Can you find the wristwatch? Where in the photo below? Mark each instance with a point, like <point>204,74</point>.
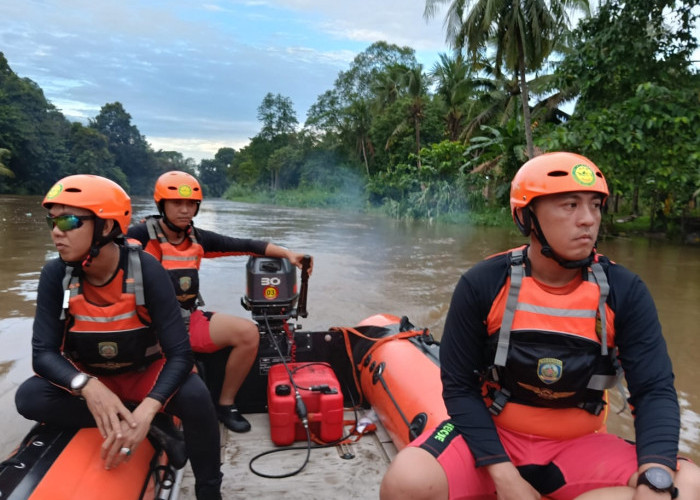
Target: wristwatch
<point>78,382</point>
<point>659,480</point>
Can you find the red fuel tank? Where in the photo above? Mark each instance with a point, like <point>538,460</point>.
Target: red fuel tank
<point>320,391</point>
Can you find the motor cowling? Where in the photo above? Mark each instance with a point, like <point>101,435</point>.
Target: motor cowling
<point>271,288</point>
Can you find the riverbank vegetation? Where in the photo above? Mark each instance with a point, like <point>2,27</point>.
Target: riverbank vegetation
<point>620,87</point>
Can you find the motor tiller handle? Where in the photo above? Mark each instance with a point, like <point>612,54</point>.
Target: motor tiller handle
<point>301,306</point>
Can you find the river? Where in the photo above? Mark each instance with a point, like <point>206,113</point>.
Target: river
<point>363,265</point>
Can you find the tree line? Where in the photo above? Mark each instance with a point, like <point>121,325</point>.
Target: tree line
<point>423,142</point>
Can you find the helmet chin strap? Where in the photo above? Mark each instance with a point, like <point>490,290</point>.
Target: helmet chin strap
<point>549,252</point>
<point>98,241</point>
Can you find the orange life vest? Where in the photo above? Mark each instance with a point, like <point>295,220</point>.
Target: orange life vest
<point>113,338</point>
<point>554,354</point>
<point>181,264</point>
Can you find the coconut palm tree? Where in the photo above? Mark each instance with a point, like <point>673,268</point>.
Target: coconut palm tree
<point>521,33</point>
<point>413,85</point>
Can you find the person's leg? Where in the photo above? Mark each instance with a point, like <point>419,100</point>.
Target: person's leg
<point>414,474</point>
<point>687,480</point>
<point>192,404</point>
<point>38,399</point>
<point>437,465</point>
<point>241,334</point>
<point>210,332</point>
<point>594,466</point>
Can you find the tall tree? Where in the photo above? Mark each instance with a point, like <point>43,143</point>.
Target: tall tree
<point>626,44</point>
<point>33,131</point>
<point>523,34</point>
<point>277,115</point>
<point>132,154</point>
<point>415,88</point>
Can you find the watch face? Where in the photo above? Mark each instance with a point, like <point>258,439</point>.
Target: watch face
<point>659,478</point>
<point>78,381</point>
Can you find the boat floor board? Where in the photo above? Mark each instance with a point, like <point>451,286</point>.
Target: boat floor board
<point>326,475</point>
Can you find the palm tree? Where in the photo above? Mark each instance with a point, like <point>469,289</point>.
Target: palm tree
<point>455,86</point>
<point>414,85</point>
<point>523,34</point>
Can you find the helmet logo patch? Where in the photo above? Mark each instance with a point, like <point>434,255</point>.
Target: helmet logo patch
<point>184,190</point>
<point>549,370</point>
<point>54,191</point>
<point>583,174</point>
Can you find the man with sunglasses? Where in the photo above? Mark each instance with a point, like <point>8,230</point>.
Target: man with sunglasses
<point>109,347</point>
<point>172,238</point>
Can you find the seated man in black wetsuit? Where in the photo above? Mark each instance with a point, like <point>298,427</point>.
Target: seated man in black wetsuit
<point>108,336</point>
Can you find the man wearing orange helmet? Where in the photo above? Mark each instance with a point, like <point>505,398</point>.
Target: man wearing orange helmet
<point>172,238</point>
<point>533,339</point>
<point>109,348</point>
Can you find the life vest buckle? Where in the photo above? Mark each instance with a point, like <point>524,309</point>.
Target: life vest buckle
<point>593,407</point>
<point>500,398</point>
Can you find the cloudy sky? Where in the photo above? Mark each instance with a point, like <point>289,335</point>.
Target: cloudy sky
<point>192,73</point>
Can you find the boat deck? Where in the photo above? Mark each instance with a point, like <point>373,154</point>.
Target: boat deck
<point>327,474</point>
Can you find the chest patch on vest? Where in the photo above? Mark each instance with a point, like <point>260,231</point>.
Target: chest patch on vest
<point>108,350</point>
<point>185,283</point>
<point>549,370</point>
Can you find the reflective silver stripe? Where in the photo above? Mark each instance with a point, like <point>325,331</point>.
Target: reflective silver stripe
<point>555,311</point>
<point>68,292</point>
<point>517,270</point>
<point>602,382</point>
<point>102,319</point>
<point>174,257</point>
<point>602,281</point>
<point>151,226</point>
<point>136,286</point>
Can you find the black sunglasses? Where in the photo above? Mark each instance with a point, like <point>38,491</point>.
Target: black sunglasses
<point>67,222</point>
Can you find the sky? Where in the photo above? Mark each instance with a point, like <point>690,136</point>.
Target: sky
<point>192,73</point>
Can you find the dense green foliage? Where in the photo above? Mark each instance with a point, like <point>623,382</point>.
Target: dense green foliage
<point>430,142</point>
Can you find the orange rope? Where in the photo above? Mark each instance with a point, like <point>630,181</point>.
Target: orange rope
<point>346,331</point>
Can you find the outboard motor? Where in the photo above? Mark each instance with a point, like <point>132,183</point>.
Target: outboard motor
<point>271,291</point>
<point>275,303</point>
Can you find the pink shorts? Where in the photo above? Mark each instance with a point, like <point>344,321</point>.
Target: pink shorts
<point>136,385</point>
<point>558,469</point>
<point>200,339</point>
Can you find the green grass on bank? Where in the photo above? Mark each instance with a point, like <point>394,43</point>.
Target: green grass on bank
<point>307,198</point>
<point>356,201</point>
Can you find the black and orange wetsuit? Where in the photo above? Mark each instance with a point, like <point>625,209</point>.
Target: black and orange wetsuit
<point>92,325</point>
<point>184,259</point>
<point>554,367</point>
<point>115,333</point>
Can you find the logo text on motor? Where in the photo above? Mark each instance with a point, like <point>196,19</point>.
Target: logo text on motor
<point>274,281</point>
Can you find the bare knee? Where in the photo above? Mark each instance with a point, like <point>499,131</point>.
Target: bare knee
<point>414,474</point>
<point>240,333</point>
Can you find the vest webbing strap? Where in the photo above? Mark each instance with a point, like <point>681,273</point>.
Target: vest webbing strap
<point>134,281</point>
<point>517,271</point>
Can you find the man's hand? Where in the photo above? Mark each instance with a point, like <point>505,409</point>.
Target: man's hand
<point>510,485</point>
<point>106,408</point>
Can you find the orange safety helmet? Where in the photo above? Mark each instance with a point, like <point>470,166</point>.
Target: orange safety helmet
<point>552,173</point>
<point>103,197</point>
<point>177,185</point>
